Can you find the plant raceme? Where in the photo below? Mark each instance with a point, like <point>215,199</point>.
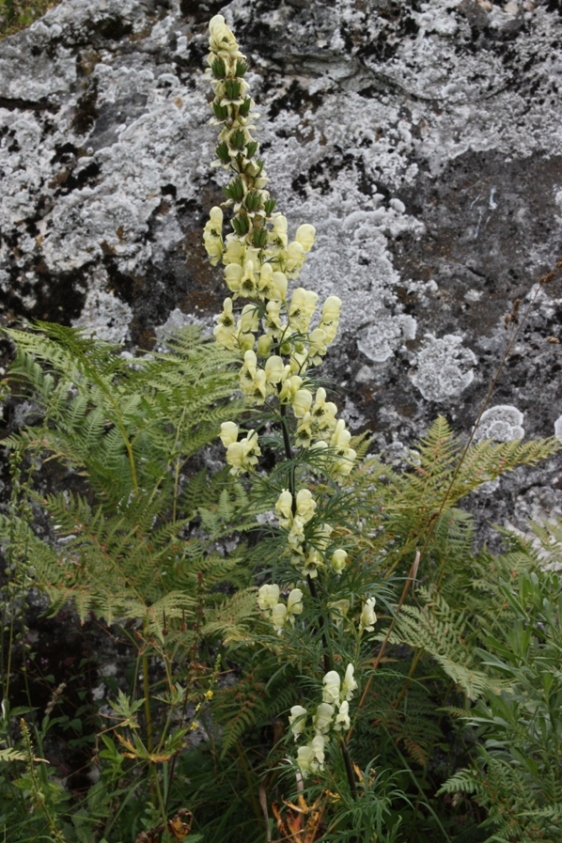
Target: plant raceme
<point>281,338</point>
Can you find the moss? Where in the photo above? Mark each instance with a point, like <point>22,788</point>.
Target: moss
<point>18,14</point>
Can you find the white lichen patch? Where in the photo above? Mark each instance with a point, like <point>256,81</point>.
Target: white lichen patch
<point>384,335</point>
<point>504,423</point>
<point>558,428</point>
<point>444,367</point>
<point>105,317</point>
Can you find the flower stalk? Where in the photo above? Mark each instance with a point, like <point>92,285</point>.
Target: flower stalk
<point>281,338</point>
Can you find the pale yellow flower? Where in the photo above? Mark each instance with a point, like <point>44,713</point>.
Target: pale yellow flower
<point>305,236</point>
<point>303,433</point>
<point>310,563</point>
<point>338,560</point>
<point>368,617</point>
<point>274,370</point>
<point>302,403</point>
<point>294,258</point>
<point>225,331</point>
<point>301,309</point>
<point>330,318</point>
<point>263,347</point>
<point>212,235</point>
<point>233,275</point>
<point>272,319</point>
<point>222,40</point>
<point>310,758</point>
<point>306,505</point>
<point>331,690</point>
<point>294,602</point>
<point>342,718</point>
<point>290,387</point>
<point>349,684</point>
<point>268,596</point>
<point>252,378</point>
<point>278,235</point>
<point>323,718</point>
<point>229,433</point>
<point>278,617</point>
<point>243,455</point>
<point>284,508</point>
<point>297,720</point>
<point>235,251</point>
<point>323,412</point>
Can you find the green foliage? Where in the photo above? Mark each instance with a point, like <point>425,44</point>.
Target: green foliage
<point>517,773</point>
<point>130,427</point>
<point>18,14</point>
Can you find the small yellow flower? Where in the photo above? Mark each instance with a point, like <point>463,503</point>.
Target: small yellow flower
<point>229,433</point>
<point>268,596</point>
<point>278,617</point>
<point>212,235</point>
<point>301,309</point>
<point>302,403</point>
<point>305,236</point>
<point>294,603</point>
<point>284,508</point>
<point>338,560</point>
<point>342,718</point>
<point>349,684</point>
<point>368,617</point>
<point>225,331</point>
<point>323,718</point>
<point>297,720</point>
<point>331,690</point>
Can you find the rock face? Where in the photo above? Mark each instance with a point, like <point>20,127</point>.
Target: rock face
<point>422,139</point>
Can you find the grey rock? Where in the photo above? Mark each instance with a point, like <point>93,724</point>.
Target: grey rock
<point>422,139</point>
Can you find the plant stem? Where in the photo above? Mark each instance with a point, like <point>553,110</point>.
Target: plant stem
<point>348,768</point>
<point>328,663</point>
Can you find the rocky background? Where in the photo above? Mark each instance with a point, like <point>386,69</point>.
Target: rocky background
<point>422,139</point>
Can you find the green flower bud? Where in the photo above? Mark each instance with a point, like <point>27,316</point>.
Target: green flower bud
<point>260,237</point>
<point>232,89</point>
<point>269,206</point>
<point>251,148</point>
<point>234,190</point>
<point>241,68</point>
<point>253,200</point>
<point>238,139</point>
<point>220,111</point>
<point>218,68</point>
<point>241,224</point>
<point>221,151</point>
<point>244,108</point>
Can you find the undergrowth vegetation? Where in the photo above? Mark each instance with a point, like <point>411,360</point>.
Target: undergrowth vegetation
<point>18,14</point>
<point>307,644</point>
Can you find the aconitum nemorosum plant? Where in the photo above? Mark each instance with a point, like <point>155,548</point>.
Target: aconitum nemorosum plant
<point>274,324</point>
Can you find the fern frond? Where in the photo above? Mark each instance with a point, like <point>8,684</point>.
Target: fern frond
<point>438,630</point>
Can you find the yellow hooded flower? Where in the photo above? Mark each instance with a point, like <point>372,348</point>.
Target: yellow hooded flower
<point>212,235</point>
<point>305,236</point>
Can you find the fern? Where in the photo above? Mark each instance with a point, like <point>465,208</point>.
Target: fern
<point>130,429</point>
<point>437,630</point>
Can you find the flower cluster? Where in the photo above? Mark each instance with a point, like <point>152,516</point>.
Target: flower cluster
<point>279,613</point>
<point>274,328</point>
<point>306,545</point>
<point>332,714</point>
<point>241,454</point>
<point>281,333</point>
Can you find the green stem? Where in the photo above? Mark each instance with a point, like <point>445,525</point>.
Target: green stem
<point>328,663</point>
<point>146,693</point>
<point>348,768</point>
